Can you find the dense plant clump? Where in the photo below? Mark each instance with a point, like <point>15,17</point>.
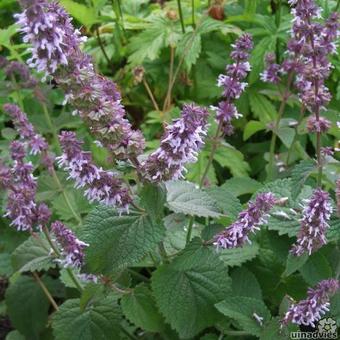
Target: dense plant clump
<point>140,199</point>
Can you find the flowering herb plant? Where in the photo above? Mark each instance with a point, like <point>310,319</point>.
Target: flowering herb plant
<point>212,216</point>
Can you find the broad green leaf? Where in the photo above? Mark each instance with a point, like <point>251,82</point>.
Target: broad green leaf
<point>317,268</point>
<point>243,309</point>
<point>83,14</point>
<point>7,33</point>
<point>5,265</point>
<point>239,186</point>
<point>244,283</point>
<point>300,174</point>
<point>27,306</point>
<point>272,330</point>
<point>33,255</point>
<point>139,307</point>
<point>252,127</point>
<point>237,256</point>
<point>15,335</point>
<point>190,46</point>
<point>286,135</point>
<point>117,241</point>
<point>187,289</point>
<point>227,202</point>
<point>185,197</point>
<point>262,107</point>
<point>98,321</point>
<point>294,263</point>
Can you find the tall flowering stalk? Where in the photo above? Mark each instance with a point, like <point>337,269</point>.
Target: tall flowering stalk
<point>314,224</point>
<point>233,85</point>
<point>307,312</point>
<point>100,185</point>
<point>56,52</point>
<point>248,221</point>
<point>179,145</point>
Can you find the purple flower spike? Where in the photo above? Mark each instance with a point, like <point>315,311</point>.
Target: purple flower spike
<point>271,73</point>
<point>71,248</point>
<point>307,312</point>
<point>179,145</point>
<point>314,224</point>
<point>232,84</point>
<point>248,221</point>
<point>100,185</point>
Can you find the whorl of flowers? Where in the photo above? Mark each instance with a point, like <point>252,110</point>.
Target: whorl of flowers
<point>71,248</point>
<point>271,74</point>
<point>35,142</point>
<point>248,221</point>
<point>307,312</point>
<point>22,209</point>
<point>56,51</point>
<point>314,42</point>
<point>179,145</point>
<point>314,224</point>
<point>232,84</point>
<point>100,185</point>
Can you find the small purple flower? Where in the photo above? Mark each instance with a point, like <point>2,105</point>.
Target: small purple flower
<point>318,125</point>
<point>36,142</point>
<point>232,84</point>
<point>248,221</point>
<point>100,185</point>
<point>71,248</point>
<point>307,312</point>
<point>314,224</point>
<point>21,73</point>
<point>179,145</point>
<point>271,73</point>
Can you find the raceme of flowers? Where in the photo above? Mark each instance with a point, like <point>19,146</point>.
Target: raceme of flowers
<point>72,249</point>
<point>100,185</point>
<point>56,51</point>
<point>232,84</point>
<point>307,312</point>
<point>314,224</point>
<point>248,221</point>
<point>179,145</point>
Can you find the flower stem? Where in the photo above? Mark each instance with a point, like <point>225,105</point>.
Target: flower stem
<point>57,252</point>
<point>189,232</point>
<point>148,90</point>
<point>181,15</point>
<point>51,127</point>
<point>283,104</point>
<point>46,291</point>
<point>162,252</point>
<point>193,13</point>
<point>167,101</point>
<point>101,45</point>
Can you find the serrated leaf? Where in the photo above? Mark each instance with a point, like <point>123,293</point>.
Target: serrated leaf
<point>5,265</point>
<point>190,46</point>
<point>117,241</point>
<point>99,321</point>
<point>244,283</point>
<point>27,306</point>
<point>139,307</point>
<point>294,263</point>
<point>242,309</point>
<point>198,287</point>
<point>237,256</point>
<point>272,330</point>
<point>33,255</point>
<point>286,135</point>
<point>185,197</point>
<point>317,268</point>
<point>262,107</point>
<point>226,201</point>
<point>239,186</point>
<point>252,127</point>
<point>300,174</point>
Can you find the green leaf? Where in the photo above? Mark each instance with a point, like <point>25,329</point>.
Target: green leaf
<point>83,14</point>
<point>252,127</point>
<point>294,263</point>
<point>185,197</point>
<point>227,202</point>
<point>32,255</point>
<point>272,330</point>
<point>242,309</point>
<point>190,46</point>
<point>197,288</point>
<point>300,173</point>
<point>139,307</point>
<point>5,265</point>
<point>237,256</point>
<point>27,306</point>
<point>118,240</point>
<point>99,321</point>
<point>317,268</point>
<point>287,135</point>
<point>244,283</point>
<point>239,186</point>
<point>262,107</point>
<point>153,199</point>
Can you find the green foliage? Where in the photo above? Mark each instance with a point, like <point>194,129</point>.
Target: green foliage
<point>197,289</point>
